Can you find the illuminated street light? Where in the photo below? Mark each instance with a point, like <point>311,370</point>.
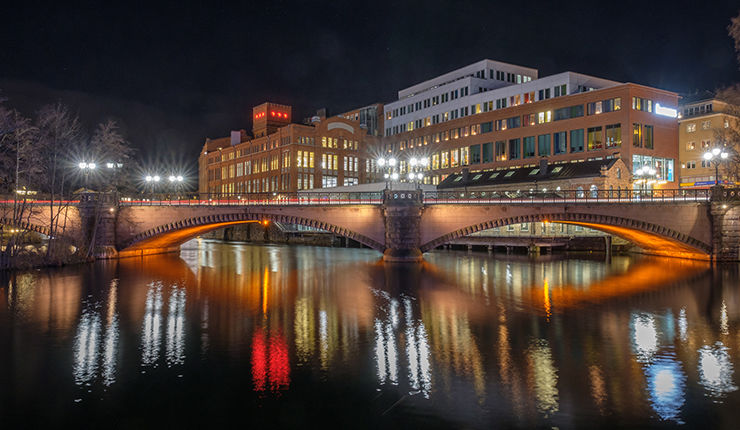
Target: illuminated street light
<point>86,168</point>
<point>394,176</point>
<point>716,156</point>
<point>645,175</point>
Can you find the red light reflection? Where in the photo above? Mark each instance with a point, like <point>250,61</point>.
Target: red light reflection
<point>270,361</point>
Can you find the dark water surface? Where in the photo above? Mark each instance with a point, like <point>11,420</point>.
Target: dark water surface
<point>252,336</point>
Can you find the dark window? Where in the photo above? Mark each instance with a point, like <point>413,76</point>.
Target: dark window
<point>543,145</point>
<point>486,127</point>
<point>475,154</point>
<point>487,150</point>
<point>560,144</point>
<point>514,149</point>
<point>576,140</point>
<point>529,146</point>
<point>648,136</point>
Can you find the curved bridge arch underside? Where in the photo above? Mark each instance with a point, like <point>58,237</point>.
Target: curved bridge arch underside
<point>178,232</point>
<point>653,238</point>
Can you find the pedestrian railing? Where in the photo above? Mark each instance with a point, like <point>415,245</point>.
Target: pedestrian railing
<point>566,196</point>
<point>427,197</point>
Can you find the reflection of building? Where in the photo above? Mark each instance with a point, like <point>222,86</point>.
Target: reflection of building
<point>490,115</point>
<point>286,157</point>
<point>701,123</point>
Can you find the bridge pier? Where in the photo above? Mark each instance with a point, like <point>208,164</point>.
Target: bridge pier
<point>402,217</point>
<point>98,216</point>
<point>725,216</point>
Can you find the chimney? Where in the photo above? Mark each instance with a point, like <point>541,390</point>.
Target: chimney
<point>603,170</point>
<point>543,168</point>
<point>236,138</point>
<point>465,175</point>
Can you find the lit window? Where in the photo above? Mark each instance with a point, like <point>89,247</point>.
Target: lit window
<point>509,173</point>
<point>534,172</point>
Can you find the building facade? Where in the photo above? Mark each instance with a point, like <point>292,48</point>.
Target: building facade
<point>700,128</point>
<point>281,156</point>
<point>492,115</point>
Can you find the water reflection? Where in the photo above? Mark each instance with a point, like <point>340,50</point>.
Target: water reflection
<point>666,387</point>
<point>716,370</point>
<point>96,340</point>
<point>470,340</point>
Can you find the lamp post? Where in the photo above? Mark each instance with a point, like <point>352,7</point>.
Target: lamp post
<point>716,156</point>
<point>644,173</point>
<point>151,180</point>
<point>176,182</point>
<point>86,168</point>
<point>389,166</point>
<point>415,167</point>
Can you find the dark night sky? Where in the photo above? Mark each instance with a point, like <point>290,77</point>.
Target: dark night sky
<point>177,72</point>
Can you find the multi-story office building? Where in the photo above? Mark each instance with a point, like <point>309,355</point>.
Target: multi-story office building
<point>701,124</point>
<point>491,115</point>
<point>286,157</point>
<point>370,118</point>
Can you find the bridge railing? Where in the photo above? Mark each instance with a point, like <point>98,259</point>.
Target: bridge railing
<point>567,196</point>
<point>256,199</point>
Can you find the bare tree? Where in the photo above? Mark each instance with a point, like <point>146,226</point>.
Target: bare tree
<point>734,31</point>
<point>108,146</point>
<point>19,168</point>
<point>59,140</point>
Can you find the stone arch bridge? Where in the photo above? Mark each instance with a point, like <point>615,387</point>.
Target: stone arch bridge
<point>700,224</point>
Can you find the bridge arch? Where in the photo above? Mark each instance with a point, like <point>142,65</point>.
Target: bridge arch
<point>653,238</point>
<point>178,232</point>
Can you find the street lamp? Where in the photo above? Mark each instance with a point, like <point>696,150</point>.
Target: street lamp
<point>388,164</point>
<point>644,174</point>
<point>716,156</point>
<point>175,181</point>
<point>86,168</point>
<point>151,180</point>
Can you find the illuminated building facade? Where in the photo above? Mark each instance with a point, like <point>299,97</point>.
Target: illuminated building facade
<point>491,115</point>
<point>287,157</point>
<point>701,126</point>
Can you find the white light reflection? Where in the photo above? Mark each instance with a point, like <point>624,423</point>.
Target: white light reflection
<point>666,388</point>
<point>716,370</point>
<point>110,344</point>
<point>86,347</point>
<point>683,325</point>
<point>417,354</point>
<point>724,325</point>
<point>644,336</point>
<point>151,330</point>
<point>380,351</point>
<point>93,346</point>
<point>175,344</point>
<point>545,377</point>
<point>324,339</point>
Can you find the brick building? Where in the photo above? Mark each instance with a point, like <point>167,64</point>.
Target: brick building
<point>700,128</point>
<point>281,156</point>
<point>491,115</point>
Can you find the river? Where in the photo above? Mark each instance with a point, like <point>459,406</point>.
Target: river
<point>229,334</point>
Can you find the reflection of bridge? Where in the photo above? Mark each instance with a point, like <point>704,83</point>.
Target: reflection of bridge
<point>403,224</point>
